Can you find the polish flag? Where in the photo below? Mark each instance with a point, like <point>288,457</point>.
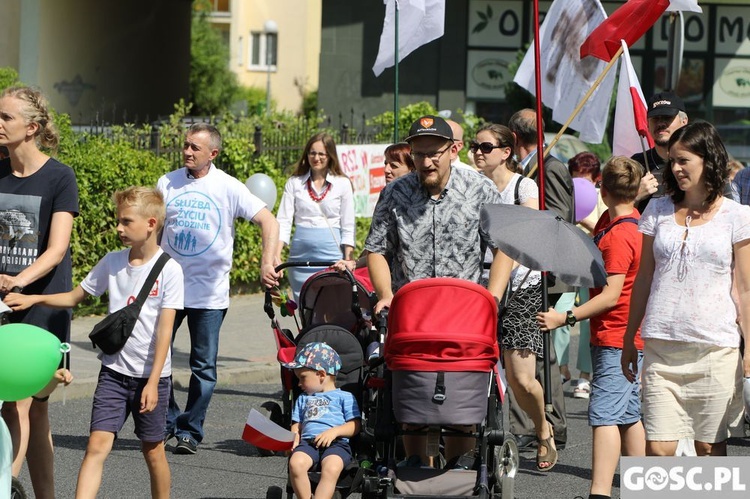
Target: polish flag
<point>265,434</point>
<point>629,22</point>
<point>631,123</point>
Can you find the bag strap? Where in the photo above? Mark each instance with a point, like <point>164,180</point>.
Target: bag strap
<point>151,279</point>
<point>516,199</point>
<point>603,233</point>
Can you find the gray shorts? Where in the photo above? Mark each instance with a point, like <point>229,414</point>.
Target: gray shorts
<point>118,395</point>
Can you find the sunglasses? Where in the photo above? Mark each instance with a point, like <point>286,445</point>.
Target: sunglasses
<point>485,147</point>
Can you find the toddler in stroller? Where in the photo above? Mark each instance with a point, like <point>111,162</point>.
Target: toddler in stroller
<point>442,353</point>
<point>335,309</point>
<point>323,419</point>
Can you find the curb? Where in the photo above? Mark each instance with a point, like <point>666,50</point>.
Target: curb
<point>84,388</point>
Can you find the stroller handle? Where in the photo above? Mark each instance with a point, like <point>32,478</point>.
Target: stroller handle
<point>286,265</point>
<point>268,307</point>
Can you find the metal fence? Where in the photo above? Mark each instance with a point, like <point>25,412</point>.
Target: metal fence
<point>283,141</point>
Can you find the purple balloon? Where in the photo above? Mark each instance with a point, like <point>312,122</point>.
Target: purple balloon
<point>586,198</point>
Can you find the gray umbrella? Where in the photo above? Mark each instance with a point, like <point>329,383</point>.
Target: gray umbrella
<point>541,240</point>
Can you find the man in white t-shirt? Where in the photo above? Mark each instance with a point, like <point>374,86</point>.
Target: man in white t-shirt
<point>202,204</point>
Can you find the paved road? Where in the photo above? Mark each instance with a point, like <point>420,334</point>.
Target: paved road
<point>227,467</point>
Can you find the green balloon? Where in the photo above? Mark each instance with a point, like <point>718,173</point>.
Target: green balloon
<point>29,357</point>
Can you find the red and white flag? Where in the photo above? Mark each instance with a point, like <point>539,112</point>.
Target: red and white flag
<point>631,123</point>
<point>265,434</point>
<point>420,22</point>
<point>629,22</point>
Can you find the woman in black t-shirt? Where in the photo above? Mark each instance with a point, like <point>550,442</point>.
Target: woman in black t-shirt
<point>38,201</point>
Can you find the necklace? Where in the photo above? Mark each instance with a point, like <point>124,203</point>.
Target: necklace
<point>315,197</point>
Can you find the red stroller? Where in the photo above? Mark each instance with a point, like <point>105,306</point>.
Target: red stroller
<point>441,352</point>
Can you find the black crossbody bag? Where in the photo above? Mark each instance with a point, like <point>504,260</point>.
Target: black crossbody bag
<point>111,334</point>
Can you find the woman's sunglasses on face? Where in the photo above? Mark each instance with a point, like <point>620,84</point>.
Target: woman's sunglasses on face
<point>485,147</point>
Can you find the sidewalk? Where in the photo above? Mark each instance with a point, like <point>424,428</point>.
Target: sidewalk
<point>247,350</point>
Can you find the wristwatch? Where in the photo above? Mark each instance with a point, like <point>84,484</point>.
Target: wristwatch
<point>570,319</point>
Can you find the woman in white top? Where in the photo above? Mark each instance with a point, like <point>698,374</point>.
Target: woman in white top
<point>696,249</point>
<point>521,338</point>
<point>319,200</point>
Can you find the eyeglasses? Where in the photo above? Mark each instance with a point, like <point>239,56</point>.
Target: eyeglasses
<point>485,147</point>
<point>321,155</point>
<point>434,156</point>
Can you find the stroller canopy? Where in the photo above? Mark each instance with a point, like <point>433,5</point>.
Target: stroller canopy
<point>442,324</point>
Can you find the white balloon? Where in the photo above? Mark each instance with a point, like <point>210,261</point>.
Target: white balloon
<point>262,186</point>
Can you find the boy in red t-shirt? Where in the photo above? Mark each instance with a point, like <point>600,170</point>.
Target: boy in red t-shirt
<point>614,407</point>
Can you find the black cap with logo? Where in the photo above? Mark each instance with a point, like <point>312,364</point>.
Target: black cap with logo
<point>432,126</point>
<point>665,104</point>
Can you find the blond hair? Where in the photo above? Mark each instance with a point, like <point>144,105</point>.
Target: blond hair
<point>36,110</point>
<point>621,178</point>
<point>147,201</point>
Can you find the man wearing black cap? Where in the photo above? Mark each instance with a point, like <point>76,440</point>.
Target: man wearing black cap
<point>427,225</point>
<point>666,113</point>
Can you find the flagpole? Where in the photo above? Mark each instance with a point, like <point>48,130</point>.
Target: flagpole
<point>577,110</point>
<point>547,375</point>
<point>395,89</point>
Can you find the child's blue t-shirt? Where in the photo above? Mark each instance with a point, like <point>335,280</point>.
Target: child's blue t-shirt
<point>321,411</point>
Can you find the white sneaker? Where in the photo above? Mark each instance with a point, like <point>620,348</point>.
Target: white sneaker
<point>582,389</point>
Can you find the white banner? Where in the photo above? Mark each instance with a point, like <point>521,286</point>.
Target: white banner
<point>419,22</point>
<point>364,164</point>
<point>565,77</point>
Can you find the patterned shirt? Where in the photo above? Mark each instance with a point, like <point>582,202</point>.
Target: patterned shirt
<point>741,186</point>
<point>429,237</point>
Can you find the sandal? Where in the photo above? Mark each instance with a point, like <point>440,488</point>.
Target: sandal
<point>550,456</point>
<point>582,389</point>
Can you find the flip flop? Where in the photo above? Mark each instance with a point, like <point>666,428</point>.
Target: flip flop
<point>550,456</point>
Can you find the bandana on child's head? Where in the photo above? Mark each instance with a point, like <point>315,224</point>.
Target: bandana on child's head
<point>317,356</point>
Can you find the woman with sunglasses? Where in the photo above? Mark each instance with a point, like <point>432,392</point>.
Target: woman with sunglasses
<point>521,338</point>
<point>318,199</point>
<point>696,253</point>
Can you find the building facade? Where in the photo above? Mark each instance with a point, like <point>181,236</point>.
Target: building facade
<point>273,41</point>
<point>468,68</point>
<point>113,61</point>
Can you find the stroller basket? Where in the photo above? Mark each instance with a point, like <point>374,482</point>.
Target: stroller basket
<point>442,351</point>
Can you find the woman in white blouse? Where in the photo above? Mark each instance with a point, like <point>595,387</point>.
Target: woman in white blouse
<point>319,200</point>
<point>696,248</point>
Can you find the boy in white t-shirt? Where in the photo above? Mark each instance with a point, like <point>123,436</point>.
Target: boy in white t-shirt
<point>139,374</point>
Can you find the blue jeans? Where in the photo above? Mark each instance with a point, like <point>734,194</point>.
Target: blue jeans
<point>204,326</point>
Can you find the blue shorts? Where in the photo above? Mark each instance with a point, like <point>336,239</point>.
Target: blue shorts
<point>338,447</point>
<point>118,395</point>
<point>614,400</point>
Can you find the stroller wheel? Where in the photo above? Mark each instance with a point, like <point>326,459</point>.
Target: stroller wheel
<point>272,411</point>
<point>274,492</point>
<point>16,489</point>
<point>506,466</point>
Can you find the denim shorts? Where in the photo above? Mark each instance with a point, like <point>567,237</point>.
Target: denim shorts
<point>338,447</point>
<point>614,400</point>
<point>118,395</point>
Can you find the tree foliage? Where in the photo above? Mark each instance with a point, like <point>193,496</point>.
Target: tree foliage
<point>213,86</point>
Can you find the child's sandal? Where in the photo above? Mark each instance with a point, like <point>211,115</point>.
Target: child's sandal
<point>550,456</point>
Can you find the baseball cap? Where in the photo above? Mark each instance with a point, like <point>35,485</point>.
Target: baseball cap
<point>432,126</point>
<point>665,104</point>
<point>318,356</point>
